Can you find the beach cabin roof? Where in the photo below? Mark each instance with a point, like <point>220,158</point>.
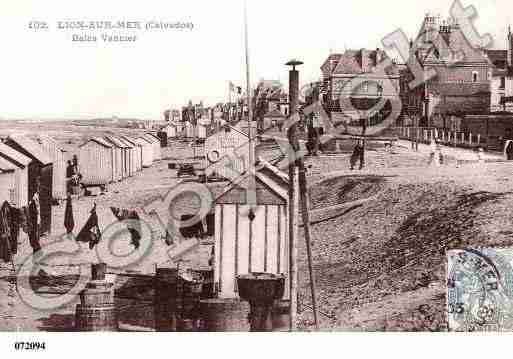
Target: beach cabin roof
<point>29,148</point>
<point>157,139</point>
<point>144,139</point>
<point>150,138</point>
<point>271,187</point>
<point>116,141</point>
<point>6,166</point>
<point>99,141</point>
<point>14,156</point>
<point>130,140</point>
<point>43,138</point>
<point>126,143</point>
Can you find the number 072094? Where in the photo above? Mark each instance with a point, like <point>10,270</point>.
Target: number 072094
<point>29,345</point>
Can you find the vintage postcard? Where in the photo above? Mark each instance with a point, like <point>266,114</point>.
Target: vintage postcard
<point>255,166</point>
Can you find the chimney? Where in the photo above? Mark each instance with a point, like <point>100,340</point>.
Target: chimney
<point>445,33</point>
<point>365,62</point>
<point>510,48</point>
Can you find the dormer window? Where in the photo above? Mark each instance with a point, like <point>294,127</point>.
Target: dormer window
<point>475,76</point>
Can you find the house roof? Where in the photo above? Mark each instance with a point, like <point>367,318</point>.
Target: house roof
<point>31,148</point>
<point>499,59</point>
<point>354,62</point>
<point>14,156</point>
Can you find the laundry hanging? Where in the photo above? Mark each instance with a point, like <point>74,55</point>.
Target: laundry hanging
<point>90,233</point>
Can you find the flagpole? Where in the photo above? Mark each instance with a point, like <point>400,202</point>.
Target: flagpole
<point>230,85</point>
<point>251,195</point>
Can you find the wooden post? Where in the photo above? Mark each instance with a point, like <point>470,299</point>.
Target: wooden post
<point>303,190</point>
<point>293,195</point>
<point>478,139</point>
<point>470,138</point>
<point>463,138</point>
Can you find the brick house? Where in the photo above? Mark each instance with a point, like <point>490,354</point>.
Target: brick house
<point>355,76</point>
<point>501,86</point>
<point>462,74</point>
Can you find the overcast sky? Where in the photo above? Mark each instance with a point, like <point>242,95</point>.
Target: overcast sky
<point>46,75</point>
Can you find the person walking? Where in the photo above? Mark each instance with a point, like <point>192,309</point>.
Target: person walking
<point>357,155</point>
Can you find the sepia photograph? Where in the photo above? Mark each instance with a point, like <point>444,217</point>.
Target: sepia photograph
<point>342,167</point>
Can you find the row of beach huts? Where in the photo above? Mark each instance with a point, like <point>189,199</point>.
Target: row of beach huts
<point>112,158</point>
<point>186,130</point>
<point>27,163</point>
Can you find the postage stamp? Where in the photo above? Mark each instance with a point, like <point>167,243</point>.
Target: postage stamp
<point>480,289</point>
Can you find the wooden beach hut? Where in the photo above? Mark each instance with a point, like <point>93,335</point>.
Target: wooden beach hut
<point>131,155</point>
<point>226,150</point>
<point>40,169</point>
<point>189,130</point>
<point>58,156</point>
<point>138,148</point>
<point>96,157</point>
<point>7,181</point>
<point>156,146</point>
<point>249,240</point>
<point>22,163</point>
<point>180,127</point>
<point>118,159</point>
<point>147,151</point>
<point>170,130</point>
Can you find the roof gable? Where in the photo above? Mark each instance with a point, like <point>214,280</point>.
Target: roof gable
<point>271,187</point>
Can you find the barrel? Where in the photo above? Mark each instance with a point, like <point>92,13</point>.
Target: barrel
<point>96,296</point>
<point>165,310</point>
<point>281,316</point>
<point>224,315</point>
<point>96,318</point>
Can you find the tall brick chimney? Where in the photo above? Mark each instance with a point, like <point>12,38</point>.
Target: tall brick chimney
<point>510,48</point>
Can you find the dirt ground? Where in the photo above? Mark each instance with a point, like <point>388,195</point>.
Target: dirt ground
<point>379,237</point>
